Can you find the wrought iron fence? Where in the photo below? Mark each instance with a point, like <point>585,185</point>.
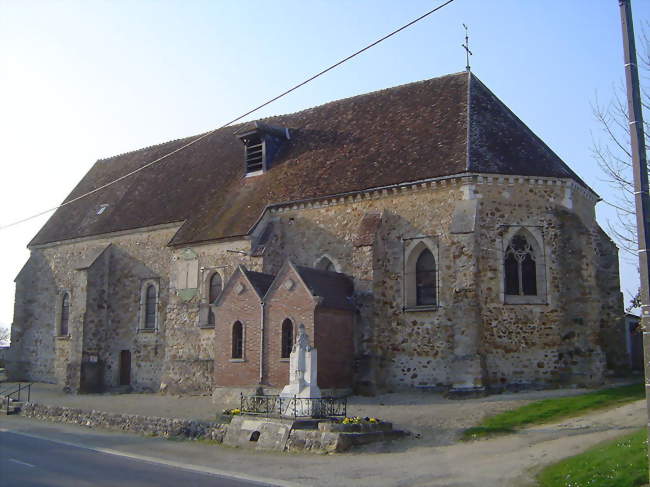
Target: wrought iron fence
<point>294,407</point>
<point>260,405</point>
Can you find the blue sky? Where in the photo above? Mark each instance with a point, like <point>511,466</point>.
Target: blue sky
<point>81,80</point>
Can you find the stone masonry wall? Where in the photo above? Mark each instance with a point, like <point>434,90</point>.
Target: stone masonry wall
<point>560,339</point>
<point>147,425</point>
<point>104,308</point>
<point>33,332</point>
<point>471,330</point>
<point>471,338</point>
<point>190,339</point>
<point>403,348</point>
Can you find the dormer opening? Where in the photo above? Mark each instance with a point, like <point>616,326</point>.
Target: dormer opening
<point>261,144</point>
<point>254,147</point>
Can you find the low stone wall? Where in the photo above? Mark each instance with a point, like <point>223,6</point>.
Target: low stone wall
<point>243,431</point>
<point>147,425</point>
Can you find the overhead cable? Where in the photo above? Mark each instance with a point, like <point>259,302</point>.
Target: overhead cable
<point>207,134</point>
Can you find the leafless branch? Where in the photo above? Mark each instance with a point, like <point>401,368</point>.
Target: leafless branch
<point>612,153</point>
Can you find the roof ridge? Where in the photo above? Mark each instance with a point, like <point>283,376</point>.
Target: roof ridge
<point>280,115</point>
<point>362,95</point>
<point>141,149</point>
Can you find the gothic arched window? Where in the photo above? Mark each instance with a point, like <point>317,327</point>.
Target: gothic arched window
<point>237,340</point>
<point>520,269</point>
<point>287,338</point>
<point>151,300</point>
<point>325,264</point>
<point>215,288</point>
<point>65,315</point>
<point>425,279</point>
<point>420,285</point>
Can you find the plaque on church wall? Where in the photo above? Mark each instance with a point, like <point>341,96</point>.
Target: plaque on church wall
<point>186,270</point>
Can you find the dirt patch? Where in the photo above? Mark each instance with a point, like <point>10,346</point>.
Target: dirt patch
<point>438,421</point>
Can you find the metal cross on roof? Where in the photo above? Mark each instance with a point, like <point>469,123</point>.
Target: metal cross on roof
<point>468,53</point>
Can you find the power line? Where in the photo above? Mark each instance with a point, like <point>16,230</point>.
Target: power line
<point>207,134</point>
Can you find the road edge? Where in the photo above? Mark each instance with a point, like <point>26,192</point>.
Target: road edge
<point>160,461</point>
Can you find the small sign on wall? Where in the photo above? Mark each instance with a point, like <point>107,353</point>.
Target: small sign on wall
<point>186,270</point>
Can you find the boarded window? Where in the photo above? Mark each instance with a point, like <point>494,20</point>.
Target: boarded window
<point>287,338</point>
<point>151,300</point>
<point>237,340</point>
<point>425,279</point>
<point>215,287</point>
<point>254,153</point>
<point>65,315</point>
<point>520,270</point>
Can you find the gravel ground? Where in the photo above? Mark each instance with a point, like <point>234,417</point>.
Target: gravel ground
<point>433,419</point>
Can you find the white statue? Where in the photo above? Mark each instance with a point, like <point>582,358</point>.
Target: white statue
<point>302,378</point>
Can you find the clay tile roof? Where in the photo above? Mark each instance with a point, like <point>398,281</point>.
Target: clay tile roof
<point>260,281</point>
<point>500,143</point>
<point>334,288</point>
<point>406,133</point>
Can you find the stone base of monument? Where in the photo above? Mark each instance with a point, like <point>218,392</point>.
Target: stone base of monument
<point>337,438</point>
<point>311,435</point>
<point>258,433</point>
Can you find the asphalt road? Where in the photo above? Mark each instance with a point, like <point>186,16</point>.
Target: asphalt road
<point>31,462</point>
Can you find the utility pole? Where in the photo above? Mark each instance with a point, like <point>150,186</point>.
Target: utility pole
<point>640,169</point>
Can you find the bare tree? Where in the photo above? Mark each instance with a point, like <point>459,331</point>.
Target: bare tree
<point>5,336</point>
<point>613,153</point>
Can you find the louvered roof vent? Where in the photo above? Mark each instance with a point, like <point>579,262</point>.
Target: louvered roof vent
<point>262,143</point>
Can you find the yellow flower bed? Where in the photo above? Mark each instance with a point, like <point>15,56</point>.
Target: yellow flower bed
<point>359,420</point>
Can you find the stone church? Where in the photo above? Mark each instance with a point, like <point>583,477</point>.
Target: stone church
<point>422,234</point>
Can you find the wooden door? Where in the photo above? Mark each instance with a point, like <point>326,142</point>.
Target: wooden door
<point>125,368</point>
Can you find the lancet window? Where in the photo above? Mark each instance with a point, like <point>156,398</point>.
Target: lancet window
<point>520,267</point>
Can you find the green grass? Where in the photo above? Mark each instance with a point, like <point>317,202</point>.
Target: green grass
<point>553,409</point>
<point>618,463</point>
